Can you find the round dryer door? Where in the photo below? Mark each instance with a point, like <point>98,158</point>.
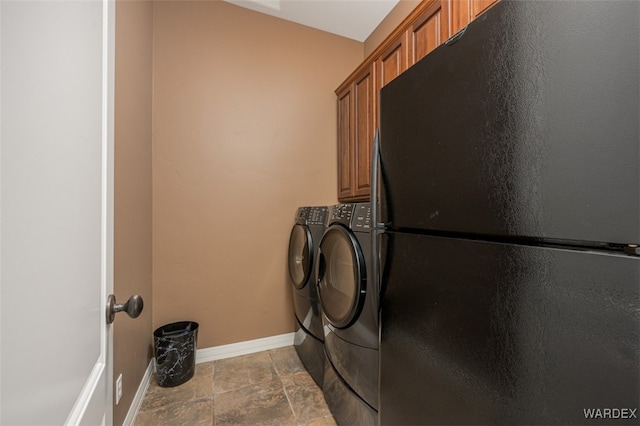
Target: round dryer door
<point>341,275</point>
<point>300,255</point>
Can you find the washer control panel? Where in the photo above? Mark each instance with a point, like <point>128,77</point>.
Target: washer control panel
<point>317,216</point>
<point>302,215</point>
<point>361,217</point>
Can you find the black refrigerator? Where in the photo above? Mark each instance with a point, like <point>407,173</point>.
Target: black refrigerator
<point>508,219</point>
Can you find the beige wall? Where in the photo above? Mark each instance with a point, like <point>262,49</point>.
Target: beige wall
<point>132,259</point>
<point>244,132</point>
<point>388,24</point>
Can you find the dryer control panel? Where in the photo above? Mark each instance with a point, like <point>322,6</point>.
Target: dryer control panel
<point>317,216</point>
<point>341,213</point>
<point>361,218</point>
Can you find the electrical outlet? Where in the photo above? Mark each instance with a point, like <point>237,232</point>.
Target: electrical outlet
<point>118,389</point>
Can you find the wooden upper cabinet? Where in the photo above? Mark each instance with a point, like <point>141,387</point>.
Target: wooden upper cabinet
<point>392,62</point>
<point>355,135</point>
<point>428,31</point>
<point>461,12</point>
<point>364,127</point>
<point>430,24</point>
<point>345,135</point>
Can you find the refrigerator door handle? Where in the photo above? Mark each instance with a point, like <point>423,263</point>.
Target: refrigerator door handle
<point>378,228</point>
<point>375,172</point>
<point>631,249</point>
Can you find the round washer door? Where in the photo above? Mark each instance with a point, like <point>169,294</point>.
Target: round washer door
<point>300,255</point>
<point>341,276</point>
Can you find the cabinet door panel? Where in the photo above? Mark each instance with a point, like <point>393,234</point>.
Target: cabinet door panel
<point>478,7</point>
<point>428,31</point>
<point>392,62</point>
<point>459,15</point>
<point>464,11</point>
<point>344,143</point>
<point>364,115</point>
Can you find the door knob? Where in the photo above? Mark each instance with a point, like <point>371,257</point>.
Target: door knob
<point>133,307</point>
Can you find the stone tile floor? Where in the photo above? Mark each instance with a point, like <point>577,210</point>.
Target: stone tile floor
<point>265,388</point>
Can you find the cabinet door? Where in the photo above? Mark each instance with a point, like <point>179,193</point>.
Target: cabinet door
<point>392,62</point>
<point>345,142</point>
<point>428,31</point>
<point>478,7</point>
<point>461,12</point>
<point>363,92</point>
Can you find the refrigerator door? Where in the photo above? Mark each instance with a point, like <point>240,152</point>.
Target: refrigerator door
<point>490,333</point>
<point>526,125</point>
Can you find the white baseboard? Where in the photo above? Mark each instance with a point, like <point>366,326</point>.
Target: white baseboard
<point>244,348</point>
<point>139,396</point>
<point>206,355</point>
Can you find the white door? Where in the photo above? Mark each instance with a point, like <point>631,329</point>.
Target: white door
<point>56,211</point>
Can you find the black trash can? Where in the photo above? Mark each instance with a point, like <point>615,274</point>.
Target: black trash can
<point>175,350</point>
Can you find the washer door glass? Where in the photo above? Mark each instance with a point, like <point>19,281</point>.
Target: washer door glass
<point>341,276</point>
<point>300,255</point>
